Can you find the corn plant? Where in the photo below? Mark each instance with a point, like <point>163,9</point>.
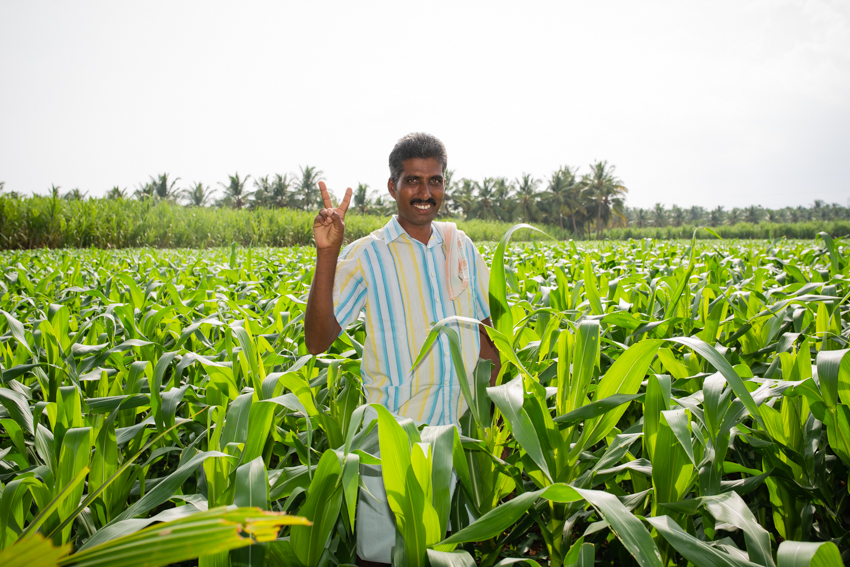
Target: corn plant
<point>660,403</point>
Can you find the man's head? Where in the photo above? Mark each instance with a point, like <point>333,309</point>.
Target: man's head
<point>417,178</point>
<point>416,145</point>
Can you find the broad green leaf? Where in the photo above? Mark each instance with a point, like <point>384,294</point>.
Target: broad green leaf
<point>322,507</point>
<point>34,551</point>
<point>168,487</point>
<point>500,311</point>
<point>808,554</point>
<point>217,530</point>
<point>509,398</point>
<point>696,551</point>
<point>624,377</point>
<point>723,366</point>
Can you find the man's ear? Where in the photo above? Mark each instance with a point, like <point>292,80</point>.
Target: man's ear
<point>391,187</point>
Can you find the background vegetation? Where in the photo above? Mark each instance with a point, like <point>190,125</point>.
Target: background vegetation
<point>277,210</point>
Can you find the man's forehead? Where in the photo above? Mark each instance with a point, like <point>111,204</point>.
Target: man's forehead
<point>420,167</point>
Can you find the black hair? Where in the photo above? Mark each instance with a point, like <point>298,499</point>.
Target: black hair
<point>416,145</point>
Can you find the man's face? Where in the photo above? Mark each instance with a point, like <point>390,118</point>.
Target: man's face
<point>418,192</point>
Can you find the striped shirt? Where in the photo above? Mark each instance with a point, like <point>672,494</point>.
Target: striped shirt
<point>400,283</point>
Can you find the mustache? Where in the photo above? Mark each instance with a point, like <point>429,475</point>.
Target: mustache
<point>417,201</point>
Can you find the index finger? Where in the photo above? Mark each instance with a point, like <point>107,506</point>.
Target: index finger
<point>325,195</point>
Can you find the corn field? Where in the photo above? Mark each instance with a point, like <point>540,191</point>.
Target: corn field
<point>660,403</point>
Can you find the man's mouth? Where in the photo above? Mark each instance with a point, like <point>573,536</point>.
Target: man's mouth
<point>424,205</point>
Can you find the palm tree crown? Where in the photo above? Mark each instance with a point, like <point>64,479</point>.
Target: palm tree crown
<point>235,195</point>
<point>198,195</point>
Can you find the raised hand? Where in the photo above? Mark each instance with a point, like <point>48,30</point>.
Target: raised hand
<point>329,226</point>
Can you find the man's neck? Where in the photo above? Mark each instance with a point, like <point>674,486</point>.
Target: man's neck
<point>420,232</point>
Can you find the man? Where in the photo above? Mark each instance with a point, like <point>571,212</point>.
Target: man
<point>406,276</point>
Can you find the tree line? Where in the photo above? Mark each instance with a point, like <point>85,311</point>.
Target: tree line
<point>660,216</point>
<point>581,203</point>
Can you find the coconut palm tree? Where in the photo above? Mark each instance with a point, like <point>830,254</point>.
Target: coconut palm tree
<point>771,215</point>
<point>486,206</point>
<point>820,210</point>
<point>164,190</point>
<point>526,198</point>
<point>198,195</point>
<point>696,215</point>
<point>564,195</point>
<point>753,214</point>
<point>235,195</point>
<point>659,215</point>
<point>677,216</point>
<point>503,197</point>
<point>145,192</point>
<point>462,198</point>
<point>641,218</point>
<point>307,188</point>
<point>363,199</point>
<point>75,195</point>
<point>274,193</point>
<point>262,192</point>
<point>715,217</point>
<point>116,193</point>
<point>605,191</point>
<point>734,216</point>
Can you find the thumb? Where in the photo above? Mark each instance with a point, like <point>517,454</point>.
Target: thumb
<point>337,220</point>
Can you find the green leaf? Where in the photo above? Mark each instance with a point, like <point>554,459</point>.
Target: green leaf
<point>203,533</point>
<point>18,408</point>
<point>17,330</point>
<point>252,485</point>
<point>590,288</point>
<point>808,554</point>
<point>834,376</point>
<point>696,551</point>
<point>723,366</point>
<point>44,514</point>
<point>595,409</point>
<point>509,399</point>
<point>450,559</point>
<point>168,487</point>
<point>416,518</point>
<point>730,508</point>
<point>624,377</point>
<point>322,507</point>
<point>585,359</point>
<point>73,458</point>
<point>36,551</point>
<point>624,524</point>
<point>500,310</point>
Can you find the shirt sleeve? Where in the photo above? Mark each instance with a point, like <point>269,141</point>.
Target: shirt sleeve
<point>349,295</point>
<point>481,283</point>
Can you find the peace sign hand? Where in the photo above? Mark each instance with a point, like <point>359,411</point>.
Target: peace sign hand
<point>329,228</point>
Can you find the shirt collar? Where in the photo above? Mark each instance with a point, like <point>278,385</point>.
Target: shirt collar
<point>393,230</point>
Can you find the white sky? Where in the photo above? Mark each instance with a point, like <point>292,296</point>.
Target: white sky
<point>727,103</point>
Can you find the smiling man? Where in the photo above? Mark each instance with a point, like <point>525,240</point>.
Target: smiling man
<point>405,276</point>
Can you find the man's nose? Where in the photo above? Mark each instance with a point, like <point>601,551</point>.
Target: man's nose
<point>423,191</point>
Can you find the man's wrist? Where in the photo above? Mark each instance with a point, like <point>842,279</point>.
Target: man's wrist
<point>327,254</point>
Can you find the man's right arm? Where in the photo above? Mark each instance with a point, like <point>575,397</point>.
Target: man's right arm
<point>320,325</point>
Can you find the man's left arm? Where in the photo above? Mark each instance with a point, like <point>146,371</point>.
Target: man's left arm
<point>489,351</point>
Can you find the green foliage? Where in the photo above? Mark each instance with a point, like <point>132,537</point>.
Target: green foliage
<point>39,222</point>
<point>659,403</point>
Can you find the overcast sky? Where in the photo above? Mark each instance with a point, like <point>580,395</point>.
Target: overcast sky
<point>727,103</point>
